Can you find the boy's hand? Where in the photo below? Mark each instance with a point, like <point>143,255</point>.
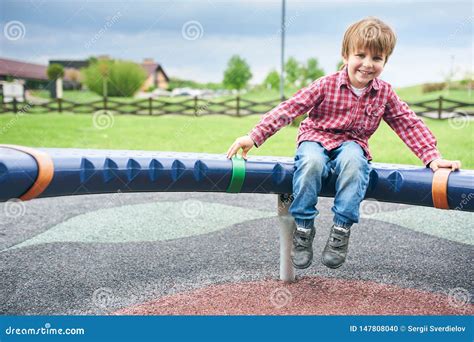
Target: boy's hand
<point>453,164</point>
<point>245,143</point>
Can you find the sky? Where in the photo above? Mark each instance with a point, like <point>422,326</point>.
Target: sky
<point>195,39</point>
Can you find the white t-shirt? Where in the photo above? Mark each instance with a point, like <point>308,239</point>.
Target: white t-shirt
<point>357,91</point>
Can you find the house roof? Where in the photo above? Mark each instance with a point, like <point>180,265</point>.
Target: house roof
<point>150,68</point>
<point>18,69</point>
<point>75,64</point>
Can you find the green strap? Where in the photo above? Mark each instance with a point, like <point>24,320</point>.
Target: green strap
<point>238,175</point>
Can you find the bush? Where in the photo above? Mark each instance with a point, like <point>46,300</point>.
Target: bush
<point>430,87</point>
<point>55,71</point>
<point>124,78</point>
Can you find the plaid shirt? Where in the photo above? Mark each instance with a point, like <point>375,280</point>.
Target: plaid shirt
<point>336,115</point>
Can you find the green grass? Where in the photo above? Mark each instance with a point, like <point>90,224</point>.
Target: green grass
<point>212,134</point>
<point>414,94</point>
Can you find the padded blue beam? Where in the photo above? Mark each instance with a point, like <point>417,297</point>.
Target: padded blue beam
<point>78,171</point>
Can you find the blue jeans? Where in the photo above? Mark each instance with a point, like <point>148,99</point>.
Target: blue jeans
<point>312,166</point>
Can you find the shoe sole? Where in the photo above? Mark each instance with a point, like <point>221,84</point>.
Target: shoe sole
<point>332,267</point>
<point>302,267</point>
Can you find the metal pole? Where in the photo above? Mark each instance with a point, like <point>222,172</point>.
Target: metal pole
<point>287,227</point>
<point>282,66</point>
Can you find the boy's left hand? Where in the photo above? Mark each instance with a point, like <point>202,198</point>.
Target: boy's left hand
<point>453,164</point>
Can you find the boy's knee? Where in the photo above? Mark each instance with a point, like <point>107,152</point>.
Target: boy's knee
<point>354,166</point>
<point>312,164</point>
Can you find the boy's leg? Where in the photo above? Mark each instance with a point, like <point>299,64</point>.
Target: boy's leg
<point>310,168</point>
<point>352,170</point>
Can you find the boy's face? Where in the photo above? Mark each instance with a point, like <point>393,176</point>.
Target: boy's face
<point>363,66</point>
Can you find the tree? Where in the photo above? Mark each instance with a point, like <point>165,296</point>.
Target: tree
<point>237,73</point>
<point>55,73</point>
<point>272,81</point>
<point>311,71</point>
<point>293,71</point>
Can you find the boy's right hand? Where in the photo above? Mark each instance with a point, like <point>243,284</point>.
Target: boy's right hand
<point>245,143</point>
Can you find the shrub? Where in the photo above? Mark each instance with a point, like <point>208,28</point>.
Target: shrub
<point>123,78</point>
<point>430,87</point>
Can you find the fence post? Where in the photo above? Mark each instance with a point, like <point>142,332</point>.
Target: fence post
<point>60,106</point>
<point>15,105</point>
<point>195,105</point>
<point>238,105</point>
<point>440,107</point>
<point>105,103</point>
<point>150,106</point>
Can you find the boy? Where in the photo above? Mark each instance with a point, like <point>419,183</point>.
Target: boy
<point>344,110</point>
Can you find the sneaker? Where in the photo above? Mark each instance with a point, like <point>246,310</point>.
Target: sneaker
<point>302,253</point>
<point>335,252</point>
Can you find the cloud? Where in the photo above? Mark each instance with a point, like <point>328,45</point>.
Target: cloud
<point>251,29</point>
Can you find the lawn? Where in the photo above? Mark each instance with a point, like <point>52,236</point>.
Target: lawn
<point>212,134</point>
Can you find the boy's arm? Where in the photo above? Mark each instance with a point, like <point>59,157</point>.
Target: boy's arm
<point>411,129</point>
<point>287,111</point>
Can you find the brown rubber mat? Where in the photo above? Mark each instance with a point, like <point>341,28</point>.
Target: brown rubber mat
<point>307,296</point>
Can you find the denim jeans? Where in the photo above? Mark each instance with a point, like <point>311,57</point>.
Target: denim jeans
<point>312,166</point>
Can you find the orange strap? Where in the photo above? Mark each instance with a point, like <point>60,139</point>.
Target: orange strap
<point>45,171</point>
<point>439,188</point>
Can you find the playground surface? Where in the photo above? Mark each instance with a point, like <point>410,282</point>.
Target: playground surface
<point>217,253</point>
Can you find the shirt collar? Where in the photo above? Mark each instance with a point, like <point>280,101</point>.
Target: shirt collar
<point>343,79</point>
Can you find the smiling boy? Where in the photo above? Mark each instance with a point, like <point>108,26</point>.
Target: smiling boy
<point>344,110</point>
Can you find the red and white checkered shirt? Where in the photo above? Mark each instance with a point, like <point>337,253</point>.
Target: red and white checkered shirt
<point>336,115</point>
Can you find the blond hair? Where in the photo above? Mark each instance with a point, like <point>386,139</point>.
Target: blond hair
<point>369,33</point>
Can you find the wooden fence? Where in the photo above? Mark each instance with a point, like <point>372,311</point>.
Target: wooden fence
<point>440,108</point>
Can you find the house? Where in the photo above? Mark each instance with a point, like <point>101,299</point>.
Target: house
<point>33,76</point>
<point>72,76</point>
<point>156,76</point>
